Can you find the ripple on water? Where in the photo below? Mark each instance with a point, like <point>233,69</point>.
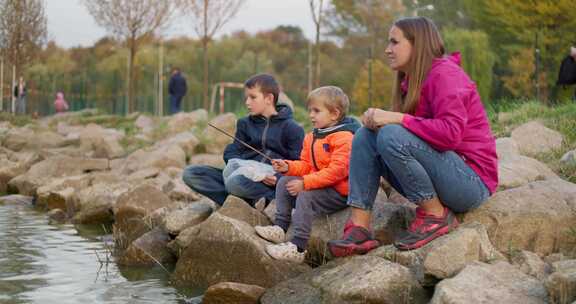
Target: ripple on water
<point>41,263</point>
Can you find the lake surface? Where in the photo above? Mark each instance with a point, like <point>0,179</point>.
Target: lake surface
<point>46,263</point>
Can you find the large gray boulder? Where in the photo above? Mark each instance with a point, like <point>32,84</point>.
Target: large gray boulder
<point>236,208</point>
<point>161,158</point>
<point>148,250</point>
<point>530,264</point>
<point>58,193</point>
<point>191,215</point>
<point>223,249</point>
<point>230,292</point>
<point>213,160</point>
<point>215,141</point>
<point>45,171</point>
<point>26,138</point>
<point>446,256</point>
<point>132,212</point>
<point>490,283</point>
<point>534,138</point>
<point>185,140</point>
<point>515,170</point>
<point>360,279</point>
<point>536,217</point>
<point>94,205</point>
<point>184,121</point>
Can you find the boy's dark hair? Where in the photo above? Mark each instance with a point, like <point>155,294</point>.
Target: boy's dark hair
<point>267,84</point>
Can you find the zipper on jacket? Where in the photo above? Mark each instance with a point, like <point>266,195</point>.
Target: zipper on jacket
<point>313,156</point>
<point>264,138</point>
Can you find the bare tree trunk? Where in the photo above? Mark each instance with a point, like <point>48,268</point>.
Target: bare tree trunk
<point>133,50</point>
<point>205,54</point>
<point>317,46</point>
<point>2,84</point>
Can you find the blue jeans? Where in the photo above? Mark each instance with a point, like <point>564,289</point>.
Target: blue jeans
<point>175,102</point>
<point>209,182</point>
<point>413,168</point>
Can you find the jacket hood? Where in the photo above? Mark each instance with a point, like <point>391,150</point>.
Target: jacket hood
<point>346,124</point>
<point>284,112</point>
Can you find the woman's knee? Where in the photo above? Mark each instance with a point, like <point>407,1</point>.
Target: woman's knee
<point>391,135</point>
<point>363,136</point>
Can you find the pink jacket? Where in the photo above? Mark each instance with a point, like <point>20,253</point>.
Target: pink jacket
<point>60,103</point>
<point>450,116</point>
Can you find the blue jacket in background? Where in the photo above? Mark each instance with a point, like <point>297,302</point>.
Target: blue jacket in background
<point>278,137</point>
<point>177,85</point>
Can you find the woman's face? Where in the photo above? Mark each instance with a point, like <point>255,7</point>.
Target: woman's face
<point>399,50</point>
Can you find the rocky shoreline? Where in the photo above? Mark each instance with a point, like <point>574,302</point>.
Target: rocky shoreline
<point>519,247</point>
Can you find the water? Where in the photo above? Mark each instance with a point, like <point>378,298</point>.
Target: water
<point>43,263</point>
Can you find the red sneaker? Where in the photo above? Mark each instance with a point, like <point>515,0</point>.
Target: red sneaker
<point>356,240</point>
<point>425,228</point>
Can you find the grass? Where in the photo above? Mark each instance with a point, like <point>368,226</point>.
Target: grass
<point>16,120</point>
<point>561,118</point>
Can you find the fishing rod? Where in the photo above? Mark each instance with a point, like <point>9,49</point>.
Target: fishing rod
<point>242,142</point>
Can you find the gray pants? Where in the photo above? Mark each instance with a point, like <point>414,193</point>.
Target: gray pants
<point>307,205</point>
<point>21,105</point>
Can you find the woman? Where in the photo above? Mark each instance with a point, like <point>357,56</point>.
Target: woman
<point>435,148</point>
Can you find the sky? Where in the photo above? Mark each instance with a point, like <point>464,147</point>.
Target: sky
<point>70,24</point>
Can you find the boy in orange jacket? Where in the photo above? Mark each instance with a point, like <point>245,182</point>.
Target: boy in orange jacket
<point>317,183</point>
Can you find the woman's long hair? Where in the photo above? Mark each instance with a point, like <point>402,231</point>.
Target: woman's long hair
<point>426,45</point>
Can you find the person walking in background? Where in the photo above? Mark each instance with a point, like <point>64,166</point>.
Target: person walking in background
<point>20,92</point>
<point>567,72</point>
<point>177,88</point>
<point>60,103</point>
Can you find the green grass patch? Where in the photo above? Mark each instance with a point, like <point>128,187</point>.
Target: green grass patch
<point>16,120</point>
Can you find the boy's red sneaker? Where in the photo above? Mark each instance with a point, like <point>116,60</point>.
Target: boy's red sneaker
<point>356,240</point>
<point>425,228</point>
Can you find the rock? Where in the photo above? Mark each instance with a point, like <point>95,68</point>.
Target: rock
<point>270,211</point>
<point>183,121</point>
<point>446,256</point>
<point>530,264</point>
<point>161,158</point>
<point>569,158</point>
<point>534,138</point>
<point>237,208</point>
<point>485,283</point>
<point>18,139</point>
<point>56,216</point>
<point>59,191</point>
<point>94,204</point>
<point>185,140</point>
<point>555,257</point>
<point>107,147</point>
<point>215,140</point>
<point>43,172</point>
<point>228,250</point>
<point>145,123</point>
<point>360,279</point>
<point>144,174</point>
<point>180,219</point>
<point>148,250</point>
<point>520,170</point>
<point>506,147</point>
<point>230,292</point>
<point>131,212</point>
<point>213,160</point>
<point>369,279</point>
<point>536,217</point>
<point>177,190</point>
<point>561,284</point>
<point>16,199</point>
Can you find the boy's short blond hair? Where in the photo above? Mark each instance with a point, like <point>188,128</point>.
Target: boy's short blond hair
<point>332,97</point>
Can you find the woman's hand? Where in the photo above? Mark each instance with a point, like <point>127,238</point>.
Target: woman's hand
<point>375,118</point>
<point>280,165</point>
<point>295,186</point>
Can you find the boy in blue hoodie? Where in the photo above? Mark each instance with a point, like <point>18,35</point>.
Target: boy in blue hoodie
<point>270,128</point>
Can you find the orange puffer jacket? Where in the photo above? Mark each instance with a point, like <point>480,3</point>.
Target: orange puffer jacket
<point>325,157</point>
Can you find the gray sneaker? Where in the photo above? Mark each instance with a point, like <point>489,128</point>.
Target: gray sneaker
<point>274,234</point>
<point>286,252</point>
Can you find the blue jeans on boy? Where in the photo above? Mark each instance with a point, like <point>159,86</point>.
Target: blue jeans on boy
<point>175,102</point>
<point>413,168</point>
<point>209,182</point>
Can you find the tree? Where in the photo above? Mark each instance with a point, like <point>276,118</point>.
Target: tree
<point>23,31</point>
<point>134,21</point>
<point>316,8</point>
<point>208,17</point>
<point>382,87</point>
<point>477,57</point>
